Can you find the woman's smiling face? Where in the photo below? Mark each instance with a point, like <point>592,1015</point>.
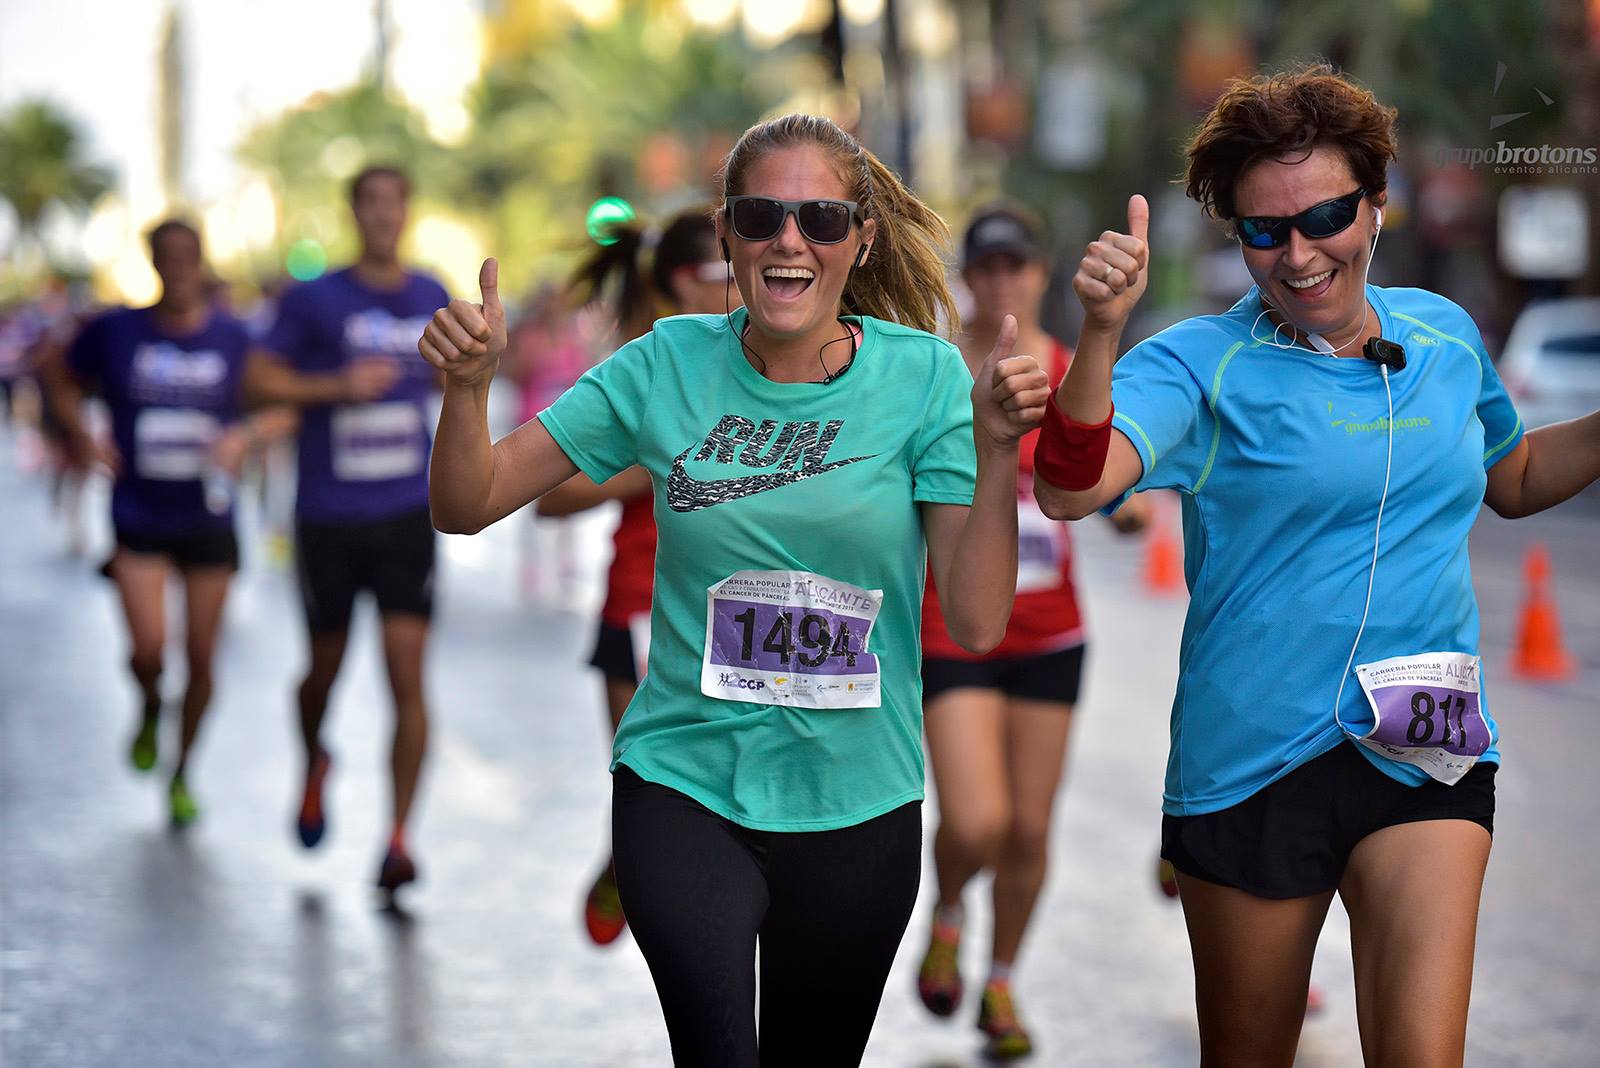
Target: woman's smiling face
<point>791,286</point>
<point>1317,284</point>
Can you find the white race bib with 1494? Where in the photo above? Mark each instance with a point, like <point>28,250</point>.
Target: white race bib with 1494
<point>791,638</point>
<point>373,442</point>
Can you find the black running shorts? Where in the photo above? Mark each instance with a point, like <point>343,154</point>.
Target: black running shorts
<point>1053,677</point>
<point>393,558</point>
<point>205,548</point>
<point>613,654</point>
<point>1293,837</point>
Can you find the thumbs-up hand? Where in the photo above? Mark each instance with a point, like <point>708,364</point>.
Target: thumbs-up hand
<point>1010,392</point>
<point>465,340</point>
<point>1115,270</point>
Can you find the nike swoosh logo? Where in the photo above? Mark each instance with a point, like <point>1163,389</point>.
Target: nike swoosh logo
<point>688,494</point>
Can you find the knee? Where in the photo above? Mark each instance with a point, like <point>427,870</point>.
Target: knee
<point>200,655</point>
<point>979,833</point>
<point>1028,838</point>
<point>146,663</point>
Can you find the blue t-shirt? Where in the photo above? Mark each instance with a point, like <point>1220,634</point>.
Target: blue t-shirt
<point>1279,458</point>
<point>755,476</point>
<point>169,398</point>
<point>361,462</point>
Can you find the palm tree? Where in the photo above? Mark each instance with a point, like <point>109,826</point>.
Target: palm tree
<point>42,166</point>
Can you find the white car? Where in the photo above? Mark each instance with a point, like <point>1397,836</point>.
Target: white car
<point>1551,361</point>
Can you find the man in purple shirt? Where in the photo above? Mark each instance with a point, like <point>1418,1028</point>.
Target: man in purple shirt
<point>343,350</point>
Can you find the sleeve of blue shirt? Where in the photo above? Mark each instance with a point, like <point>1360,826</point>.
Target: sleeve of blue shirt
<point>1161,408</point>
<point>1502,426</point>
<point>597,421</point>
<point>944,463</point>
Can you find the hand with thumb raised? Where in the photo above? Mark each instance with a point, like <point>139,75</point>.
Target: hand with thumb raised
<point>1115,269</point>
<point>1010,392</point>
<point>465,340</point>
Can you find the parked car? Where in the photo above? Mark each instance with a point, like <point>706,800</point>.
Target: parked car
<point>1551,361</point>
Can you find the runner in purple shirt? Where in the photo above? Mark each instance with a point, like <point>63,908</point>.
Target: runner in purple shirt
<point>343,351</point>
<point>170,377</point>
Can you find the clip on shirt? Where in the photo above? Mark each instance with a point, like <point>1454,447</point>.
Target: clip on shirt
<point>1071,455</point>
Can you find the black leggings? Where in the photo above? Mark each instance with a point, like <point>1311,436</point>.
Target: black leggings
<point>829,908</point>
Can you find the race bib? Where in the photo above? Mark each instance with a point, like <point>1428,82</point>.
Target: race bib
<point>373,442</point>
<point>1041,548</point>
<point>1426,711</point>
<point>173,444</point>
<point>790,638</point>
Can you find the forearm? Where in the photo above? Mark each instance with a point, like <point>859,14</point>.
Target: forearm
<point>1563,460</point>
<point>461,473</point>
<point>269,381</point>
<point>1085,393</point>
<point>978,590</point>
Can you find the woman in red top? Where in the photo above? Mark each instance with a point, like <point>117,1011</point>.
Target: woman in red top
<point>644,276</point>
<point>997,724</point>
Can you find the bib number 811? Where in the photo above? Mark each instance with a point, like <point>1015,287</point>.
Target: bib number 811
<point>790,640</point>
<point>1423,706</point>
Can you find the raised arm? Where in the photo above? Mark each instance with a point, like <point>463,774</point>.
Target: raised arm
<point>973,551</point>
<point>1110,280</point>
<point>472,481</point>
<point>581,493</point>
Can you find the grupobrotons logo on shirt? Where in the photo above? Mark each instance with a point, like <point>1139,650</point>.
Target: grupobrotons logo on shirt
<point>796,451</point>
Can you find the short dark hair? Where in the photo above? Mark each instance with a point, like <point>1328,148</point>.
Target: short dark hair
<point>1285,114</point>
<point>377,170</point>
<point>171,226</point>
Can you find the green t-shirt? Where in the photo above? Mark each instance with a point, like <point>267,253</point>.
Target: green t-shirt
<point>755,475</point>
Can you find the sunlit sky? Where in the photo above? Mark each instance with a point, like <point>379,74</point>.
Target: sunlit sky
<point>247,60</point>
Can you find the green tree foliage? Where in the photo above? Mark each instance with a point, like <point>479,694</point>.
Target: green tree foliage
<point>310,153</point>
<point>42,166</point>
<point>564,123</point>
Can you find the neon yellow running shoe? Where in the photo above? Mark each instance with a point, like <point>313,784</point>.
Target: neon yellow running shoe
<point>182,803</point>
<point>143,751</point>
<point>939,978</point>
<point>997,1018</point>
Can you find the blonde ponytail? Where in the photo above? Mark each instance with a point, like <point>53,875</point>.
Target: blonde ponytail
<point>903,279</point>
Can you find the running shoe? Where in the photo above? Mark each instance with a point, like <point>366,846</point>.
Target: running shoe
<point>602,909</point>
<point>396,870</point>
<point>311,822</point>
<point>939,978</point>
<point>1166,877</point>
<point>143,751</point>
<point>181,803</point>
<point>997,1018</point>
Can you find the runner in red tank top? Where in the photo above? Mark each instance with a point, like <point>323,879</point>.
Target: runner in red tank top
<point>997,724</point>
<point>674,271</point>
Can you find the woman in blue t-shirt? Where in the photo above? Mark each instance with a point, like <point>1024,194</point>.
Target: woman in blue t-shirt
<point>808,453</point>
<point>1333,442</point>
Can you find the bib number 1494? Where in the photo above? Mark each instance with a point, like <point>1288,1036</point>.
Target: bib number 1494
<point>809,642</point>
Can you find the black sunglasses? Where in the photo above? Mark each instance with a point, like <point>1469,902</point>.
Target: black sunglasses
<point>822,222</point>
<point>1320,220</point>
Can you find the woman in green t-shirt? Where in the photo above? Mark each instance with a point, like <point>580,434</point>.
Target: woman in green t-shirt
<point>810,453</point>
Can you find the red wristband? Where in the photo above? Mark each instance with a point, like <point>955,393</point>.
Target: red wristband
<point>1071,455</point>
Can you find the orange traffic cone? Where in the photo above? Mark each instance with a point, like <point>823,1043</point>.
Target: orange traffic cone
<point>1540,654</point>
<point>1163,558</point>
